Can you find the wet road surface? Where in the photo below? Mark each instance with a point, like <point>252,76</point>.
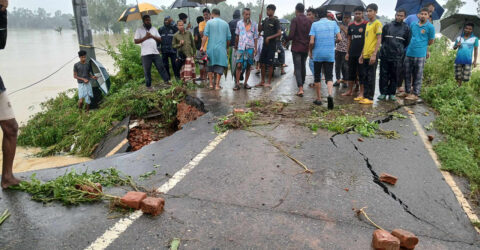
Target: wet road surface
<point>245,194</point>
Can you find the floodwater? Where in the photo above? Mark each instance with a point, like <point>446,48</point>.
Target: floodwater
<point>31,55</point>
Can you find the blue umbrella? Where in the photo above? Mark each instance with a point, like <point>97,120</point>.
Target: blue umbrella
<point>414,6</point>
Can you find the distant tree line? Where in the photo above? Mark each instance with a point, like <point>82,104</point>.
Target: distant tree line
<point>38,19</point>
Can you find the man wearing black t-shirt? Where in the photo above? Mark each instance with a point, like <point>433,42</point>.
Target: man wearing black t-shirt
<point>356,38</point>
<point>271,31</point>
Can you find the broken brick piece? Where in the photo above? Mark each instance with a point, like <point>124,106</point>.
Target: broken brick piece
<point>390,179</point>
<point>407,239</point>
<point>238,111</point>
<point>153,206</point>
<point>431,137</point>
<point>360,139</point>
<point>133,199</point>
<point>384,240</point>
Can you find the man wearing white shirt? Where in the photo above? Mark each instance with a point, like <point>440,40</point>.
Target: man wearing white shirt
<point>148,37</point>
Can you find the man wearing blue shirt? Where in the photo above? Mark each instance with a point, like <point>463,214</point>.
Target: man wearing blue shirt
<point>322,51</point>
<point>467,44</point>
<point>423,35</point>
<point>414,18</point>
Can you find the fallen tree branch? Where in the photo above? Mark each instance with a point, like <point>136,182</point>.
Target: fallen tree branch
<point>277,146</point>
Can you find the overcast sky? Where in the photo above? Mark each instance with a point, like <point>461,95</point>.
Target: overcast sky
<point>386,7</point>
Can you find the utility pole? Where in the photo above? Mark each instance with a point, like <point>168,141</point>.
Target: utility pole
<point>84,32</point>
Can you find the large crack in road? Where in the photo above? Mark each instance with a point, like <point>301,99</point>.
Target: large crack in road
<point>384,187</point>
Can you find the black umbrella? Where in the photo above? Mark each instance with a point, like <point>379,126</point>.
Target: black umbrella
<point>343,5</point>
<point>452,26</point>
<point>178,4</point>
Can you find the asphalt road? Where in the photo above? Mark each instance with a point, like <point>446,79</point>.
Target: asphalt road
<point>245,194</point>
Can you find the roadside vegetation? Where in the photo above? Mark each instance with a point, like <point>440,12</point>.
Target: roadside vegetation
<point>61,128</point>
<point>458,117</point>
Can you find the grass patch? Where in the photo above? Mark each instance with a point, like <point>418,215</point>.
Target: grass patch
<point>458,117</point>
<point>61,128</point>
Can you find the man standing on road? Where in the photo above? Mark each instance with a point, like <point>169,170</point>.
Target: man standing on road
<point>312,16</point>
<point>322,50</point>
<point>341,51</point>
<point>299,35</point>
<point>271,31</point>
<point>218,34</point>
<point>148,37</point>
<point>423,35</point>
<point>167,32</point>
<point>368,59</point>
<point>466,45</point>
<point>7,118</point>
<point>395,39</point>
<point>198,56</point>
<point>245,47</point>
<point>356,40</point>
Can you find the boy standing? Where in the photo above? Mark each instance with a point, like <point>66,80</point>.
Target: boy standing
<point>423,35</point>
<point>356,40</point>
<point>368,59</point>
<point>271,31</point>
<point>466,45</point>
<point>82,72</point>
<point>322,51</point>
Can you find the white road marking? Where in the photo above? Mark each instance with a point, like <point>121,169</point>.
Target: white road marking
<point>448,177</point>
<point>121,226</point>
<point>115,150</point>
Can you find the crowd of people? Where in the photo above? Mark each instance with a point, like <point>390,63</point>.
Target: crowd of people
<point>332,43</point>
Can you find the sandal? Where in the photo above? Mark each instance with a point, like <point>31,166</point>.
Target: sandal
<point>236,88</point>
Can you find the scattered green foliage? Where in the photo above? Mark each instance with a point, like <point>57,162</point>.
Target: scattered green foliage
<point>147,175</point>
<point>476,223</point>
<point>399,115</point>
<point>235,121</point>
<point>458,113</point>
<point>344,123</point>
<point>65,188</point>
<point>4,216</point>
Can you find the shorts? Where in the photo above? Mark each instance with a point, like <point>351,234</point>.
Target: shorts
<point>327,71</point>
<point>353,69</point>
<point>6,110</point>
<point>463,72</point>
<point>268,54</point>
<point>85,92</point>
<point>217,69</point>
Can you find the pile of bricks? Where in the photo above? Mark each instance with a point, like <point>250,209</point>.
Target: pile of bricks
<point>139,200</point>
<point>383,240</point>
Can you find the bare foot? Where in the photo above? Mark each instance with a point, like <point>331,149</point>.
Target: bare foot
<point>9,181</point>
<point>349,93</point>
<point>268,85</point>
<point>260,85</point>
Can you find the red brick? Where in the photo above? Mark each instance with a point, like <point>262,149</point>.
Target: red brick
<point>390,179</point>
<point>133,199</point>
<point>407,239</point>
<point>384,240</point>
<point>153,206</point>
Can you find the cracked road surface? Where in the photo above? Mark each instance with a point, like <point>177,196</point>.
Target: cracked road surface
<point>245,194</point>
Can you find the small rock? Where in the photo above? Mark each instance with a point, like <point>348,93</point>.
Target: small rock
<point>346,189</point>
<point>390,179</point>
<point>360,139</point>
<point>407,239</point>
<point>431,137</point>
<point>385,241</point>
